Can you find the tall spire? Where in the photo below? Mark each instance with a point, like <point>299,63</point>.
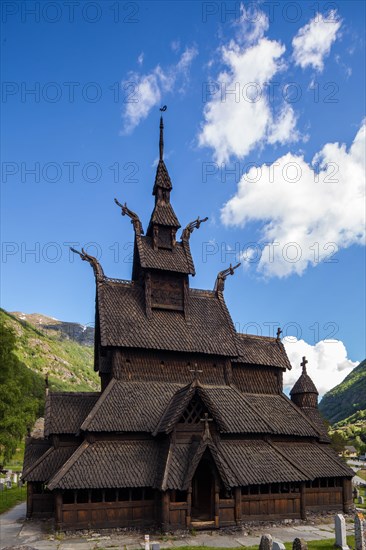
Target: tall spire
<point>161,139</point>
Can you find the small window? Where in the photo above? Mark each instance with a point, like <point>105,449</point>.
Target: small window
<point>97,495</point>
<point>149,493</point>
<point>68,497</point>
<point>110,495</point>
<point>264,489</point>
<point>275,488</point>
<point>136,494</point>
<point>245,490</point>
<point>123,494</point>
<point>82,496</point>
<point>180,496</point>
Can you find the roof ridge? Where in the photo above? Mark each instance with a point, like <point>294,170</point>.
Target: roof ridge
<point>256,336</point>
<point>167,465</point>
<point>184,390</point>
<point>87,421</point>
<point>89,394</point>
<point>67,465</point>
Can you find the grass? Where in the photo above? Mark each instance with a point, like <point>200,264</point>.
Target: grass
<point>362,474</point>
<point>312,545</point>
<point>11,497</point>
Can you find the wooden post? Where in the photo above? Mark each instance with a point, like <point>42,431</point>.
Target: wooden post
<point>58,509</point>
<point>217,505</point>
<point>29,499</point>
<point>189,507</point>
<point>237,504</point>
<point>303,500</point>
<point>346,494</point>
<point>165,501</point>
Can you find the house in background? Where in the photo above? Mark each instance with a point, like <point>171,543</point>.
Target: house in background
<point>191,427</point>
<point>350,452</point>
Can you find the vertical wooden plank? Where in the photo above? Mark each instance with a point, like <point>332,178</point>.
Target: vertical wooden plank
<point>165,502</point>
<point>29,499</point>
<point>237,504</point>
<point>346,494</point>
<point>189,508</point>
<point>303,500</point>
<point>58,509</point>
<point>217,506</point>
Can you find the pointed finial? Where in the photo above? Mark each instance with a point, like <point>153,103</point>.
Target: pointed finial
<point>161,139</point>
<point>303,364</point>
<point>46,383</point>
<point>278,336</point>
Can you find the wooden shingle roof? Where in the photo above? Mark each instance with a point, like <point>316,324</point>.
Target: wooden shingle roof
<point>129,407</point>
<point>123,322</point>
<point>34,450</point>
<point>304,385</point>
<point>155,407</point>
<point>48,464</point>
<point>66,411</point>
<point>178,259</point>
<point>315,460</point>
<point>261,350</point>
<point>164,214</point>
<point>109,464</point>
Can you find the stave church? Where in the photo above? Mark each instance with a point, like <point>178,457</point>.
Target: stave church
<point>190,428</point>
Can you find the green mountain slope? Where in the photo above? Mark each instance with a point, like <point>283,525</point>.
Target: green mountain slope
<point>68,363</point>
<point>346,399</point>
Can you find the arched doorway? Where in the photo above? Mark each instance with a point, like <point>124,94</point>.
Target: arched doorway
<point>203,492</point>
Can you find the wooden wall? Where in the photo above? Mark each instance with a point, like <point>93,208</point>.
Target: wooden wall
<point>243,505</point>
<point>107,514</point>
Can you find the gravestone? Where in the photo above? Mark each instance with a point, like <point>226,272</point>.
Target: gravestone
<point>266,542</point>
<point>340,532</point>
<point>15,478</point>
<point>299,544</point>
<point>155,546</point>
<point>1,484</point>
<point>278,545</point>
<point>8,483</point>
<point>360,532</point>
<point>361,500</point>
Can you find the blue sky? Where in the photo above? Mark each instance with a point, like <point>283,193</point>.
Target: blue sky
<point>263,134</point>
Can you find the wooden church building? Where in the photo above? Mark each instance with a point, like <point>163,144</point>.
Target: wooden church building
<point>191,426</point>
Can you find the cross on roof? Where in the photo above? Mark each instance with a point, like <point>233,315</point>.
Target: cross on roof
<point>196,371</point>
<point>279,332</point>
<point>206,420</point>
<point>303,364</point>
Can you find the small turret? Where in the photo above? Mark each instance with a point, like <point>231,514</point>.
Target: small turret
<point>304,393</point>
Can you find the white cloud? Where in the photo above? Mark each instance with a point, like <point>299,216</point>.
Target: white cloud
<point>238,114</point>
<point>327,366</point>
<point>313,42</point>
<point>145,91</point>
<point>251,25</point>
<point>307,215</point>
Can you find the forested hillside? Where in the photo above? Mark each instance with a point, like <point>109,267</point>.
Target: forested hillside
<point>27,354</point>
